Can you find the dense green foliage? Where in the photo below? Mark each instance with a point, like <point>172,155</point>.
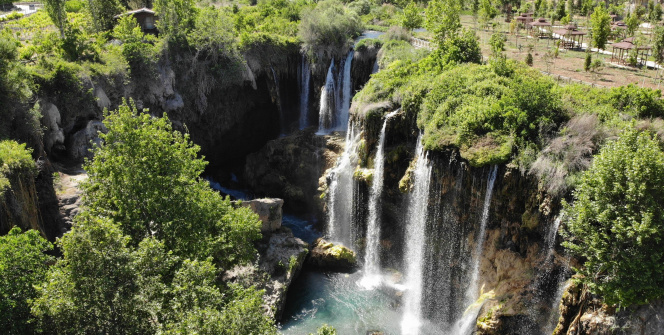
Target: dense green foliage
<point>104,285</point>
<point>15,158</point>
<point>411,16</point>
<point>146,176</point>
<point>600,23</point>
<point>23,264</point>
<point>328,30</point>
<point>442,19</point>
<point>617,221</point>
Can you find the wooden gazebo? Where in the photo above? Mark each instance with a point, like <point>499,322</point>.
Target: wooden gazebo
<point>539,28</point>
<point>622,49</point>
<point>570,37</point>
<point>525,18</point>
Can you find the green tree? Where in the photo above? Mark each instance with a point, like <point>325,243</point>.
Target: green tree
<point>587,62</point>
<point>411,16</point>
<point>103,285</point>
<point>655,14</point>
<point>560,10</point>
<point>497,43</point>
<point>600,22</point>
<point>487,12</point>
<point>139,54</point>
<point>176,17</point>
<point>23,264</point>
<point>146,176</point>
<point>103,13</point>
<point>56,11</point>
<point>616,221</point>
<point>632,21</point>
<point>442,19</point>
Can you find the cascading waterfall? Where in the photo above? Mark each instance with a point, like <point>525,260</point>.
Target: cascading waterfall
<point>327,101</point>
<point>342,192</point>
<point>282,120</point>
<point>371,277</point>
<point>335,97</point>
<point>345,94</point>
<point>471,292</point>
<point>415,239</point>
<point>305,82</point>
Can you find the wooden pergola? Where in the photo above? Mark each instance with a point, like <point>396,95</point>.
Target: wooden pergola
<point>570,36</point>
<point>619,28</point>
<point>622,49</point>
<point>539,28</point>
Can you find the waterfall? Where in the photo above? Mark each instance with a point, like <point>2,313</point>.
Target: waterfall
<point>375,67</point>
<point>471,292</point>
<point>371,277</point>
<point>282,121</point>
<point>346,93</point>
<point>327,99</point>
<point>415,239</point>
<point>341,192</point>
<point>305,80</point>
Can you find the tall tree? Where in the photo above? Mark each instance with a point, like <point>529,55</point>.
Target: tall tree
<point>23,264</point>
<point>442,19</point>
<point>617,221</point>
<point>176,17</point>
<point>103,13</point>
<point>600,21</point>
<point>56,11</point>
<point>411,16</point>
<point>146,176</point>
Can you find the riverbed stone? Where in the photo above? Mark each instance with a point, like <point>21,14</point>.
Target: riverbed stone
<point>329,256</point>
<point>269,211</point>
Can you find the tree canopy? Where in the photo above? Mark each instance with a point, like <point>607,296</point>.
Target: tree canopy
<point>146,177</point>
<point>616,221</point>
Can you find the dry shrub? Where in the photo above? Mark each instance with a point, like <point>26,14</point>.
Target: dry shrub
<point>655,126</point>
<point>568,153</point>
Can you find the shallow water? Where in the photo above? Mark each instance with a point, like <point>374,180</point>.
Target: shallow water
<point>318,298</point>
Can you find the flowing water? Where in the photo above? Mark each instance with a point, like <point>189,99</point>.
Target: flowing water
<point>346,93</point>
<point>327,101</point>
<point>341,193</point>
<point>473,288</point>
<point>418,202</point>
<point>305,83</point>
<point>372,277</point>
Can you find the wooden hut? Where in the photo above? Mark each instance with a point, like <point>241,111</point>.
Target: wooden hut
<point>570,37</point>
<point>539,28</point>
<point>145,17</point>
<point>621,50</point>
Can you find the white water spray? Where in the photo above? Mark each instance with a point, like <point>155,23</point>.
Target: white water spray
<point>471,293</point>
<point>342,192</point>
<point>371,278</point>
<point>415,240</point>
<point>345,94</point>
<point>327,99</point>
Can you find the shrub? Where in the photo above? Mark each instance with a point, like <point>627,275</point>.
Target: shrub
<point>529,59</point>
<point>497,43</point>
<point>327,31</point>
<point>74,6</point>
<point>637,101</point>
<point>23,264</point>
<point>616,221</point>
<point>587,62</point>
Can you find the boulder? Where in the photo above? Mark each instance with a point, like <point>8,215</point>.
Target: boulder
<point>281,258</point>
<point>54,136</point>
<point>328,256</point>
<point>84,140</point>
<point>269,211</point>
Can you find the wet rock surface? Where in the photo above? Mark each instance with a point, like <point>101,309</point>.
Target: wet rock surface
<point>325,255</point>
<point>291,168</point>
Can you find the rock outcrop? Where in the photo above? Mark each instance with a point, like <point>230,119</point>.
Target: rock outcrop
<point>290,168</point>
<point>281,258</point>
<point>325,255</point>
<point>269,212</point>
<point>584,313</point>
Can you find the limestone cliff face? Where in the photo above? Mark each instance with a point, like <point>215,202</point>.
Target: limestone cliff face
<point>517,268</point>
<point>290,168</point>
